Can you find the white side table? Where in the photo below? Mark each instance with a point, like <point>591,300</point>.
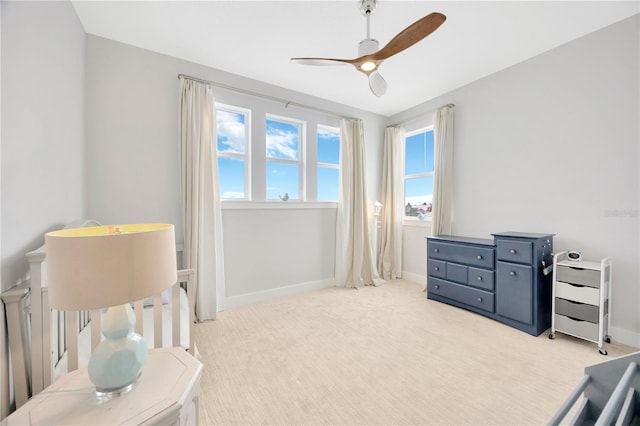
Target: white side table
<point>167,393</point>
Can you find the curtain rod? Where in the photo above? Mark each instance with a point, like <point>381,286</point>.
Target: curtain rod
<point>286,103</point>
<point>418,116</point>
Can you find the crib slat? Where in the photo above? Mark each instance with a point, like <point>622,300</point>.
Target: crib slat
<point>46,364</point>
<point>72,340</point>
<point>59,329</point>
<point>186,276</point>
<point>137,309</point>
<point>175,315</point>
<point>40,356</point>
<point>96,328</point>
<point>157,321</point>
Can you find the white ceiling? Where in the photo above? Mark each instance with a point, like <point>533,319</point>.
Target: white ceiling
<point>256,39</point>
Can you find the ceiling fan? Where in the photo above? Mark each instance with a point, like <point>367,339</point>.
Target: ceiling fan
<point>369,57</point>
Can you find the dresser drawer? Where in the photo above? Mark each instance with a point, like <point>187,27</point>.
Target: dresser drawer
<point>482,278</point>
<point>578,293</point>
<point>437,268</point>
<point>471,255</point>
<point>515,251</point>
<point>577,275</point>
<point>457,273</point>
<point>584,329</point>
<point>469,296</point>
<point>577,310</point>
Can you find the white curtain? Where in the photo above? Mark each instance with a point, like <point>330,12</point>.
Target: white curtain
<point>354,257</point>
<point>443,175</point>
<point>390,251</point>
<point>200,199</point>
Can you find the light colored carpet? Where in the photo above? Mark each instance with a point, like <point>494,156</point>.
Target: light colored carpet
<point>381,355</point>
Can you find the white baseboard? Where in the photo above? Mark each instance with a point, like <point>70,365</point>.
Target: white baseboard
<point>624,336</point>
<point>275,293</point>
<point>414,278</point>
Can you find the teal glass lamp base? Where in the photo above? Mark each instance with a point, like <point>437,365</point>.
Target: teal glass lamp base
<point>116,364</point>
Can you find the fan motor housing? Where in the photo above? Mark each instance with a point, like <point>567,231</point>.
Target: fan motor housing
<point>367,7</point>
<point>367,46</point>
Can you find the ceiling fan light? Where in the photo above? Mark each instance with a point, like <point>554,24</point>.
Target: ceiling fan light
<point>368,66</point>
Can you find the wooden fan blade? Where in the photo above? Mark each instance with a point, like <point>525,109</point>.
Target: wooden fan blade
<point>323,61</point>
<point>410,35</point>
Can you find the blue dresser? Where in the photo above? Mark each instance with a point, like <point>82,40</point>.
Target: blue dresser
<point>506,278</point>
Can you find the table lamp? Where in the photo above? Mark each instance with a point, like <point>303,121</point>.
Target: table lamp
<point>109,267</point>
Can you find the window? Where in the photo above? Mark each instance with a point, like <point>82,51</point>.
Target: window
<point>284,141</point>
<point>281,157</point>
<point>232,146</point>
<point>418,173</point>
<point>328,141</point>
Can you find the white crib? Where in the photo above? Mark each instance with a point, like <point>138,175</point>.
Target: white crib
<point>46,343</point>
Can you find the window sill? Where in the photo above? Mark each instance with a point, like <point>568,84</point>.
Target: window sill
<point>426,223</point>
<point>277,205</point>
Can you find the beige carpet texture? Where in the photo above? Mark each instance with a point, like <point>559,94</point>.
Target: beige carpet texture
<point>382,356</point>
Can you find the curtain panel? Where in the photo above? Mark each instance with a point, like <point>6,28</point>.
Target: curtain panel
<point>390,249</point>
<point>355,266</point>
<point>200,202</point>
<point>443,176</point>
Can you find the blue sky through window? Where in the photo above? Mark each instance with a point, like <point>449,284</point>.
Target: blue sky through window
<point>328,146</point>
<point>418,160</point>
<point>231,172</point>
<point>232,146</point>
<point>328,153</point>
<point>282,178</point>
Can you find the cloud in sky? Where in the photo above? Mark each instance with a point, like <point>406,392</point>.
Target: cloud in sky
<point>282,143</point>
<point>231,132</point>
<point>326,133</point>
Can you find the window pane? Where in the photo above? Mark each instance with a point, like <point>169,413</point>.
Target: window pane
<point>283,140</point>
<point>231,131</point>
<point>282,178</point>
<point>328,146</point>
<point>231,177</point>
<point>419,153</point>
<point>328,183</point>
<point>418,193</point>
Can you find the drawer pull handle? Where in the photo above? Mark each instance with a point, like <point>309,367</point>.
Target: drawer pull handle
<point>479,299</point>
<point>512,251</point>
<point>479,257</point>
<point>479,278</point>
<point>436,250</point>
<point>512,273</point>
<point>437,268</point>
<point>437,286</point>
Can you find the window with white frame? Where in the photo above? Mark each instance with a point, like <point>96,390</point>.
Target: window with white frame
<point>328,154</point>
<point>233,129</point>
<point>284,154</point>
<point>418,173</point>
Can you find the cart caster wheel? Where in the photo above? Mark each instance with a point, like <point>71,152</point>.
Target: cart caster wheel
<point>552,336</point>
<point>607,339</point>
<point>602,351</point>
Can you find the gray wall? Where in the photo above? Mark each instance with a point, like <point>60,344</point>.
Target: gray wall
<point>551,145</point>
<point>132,168</point>
<point>42,134</point>
<point>43,48</point>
